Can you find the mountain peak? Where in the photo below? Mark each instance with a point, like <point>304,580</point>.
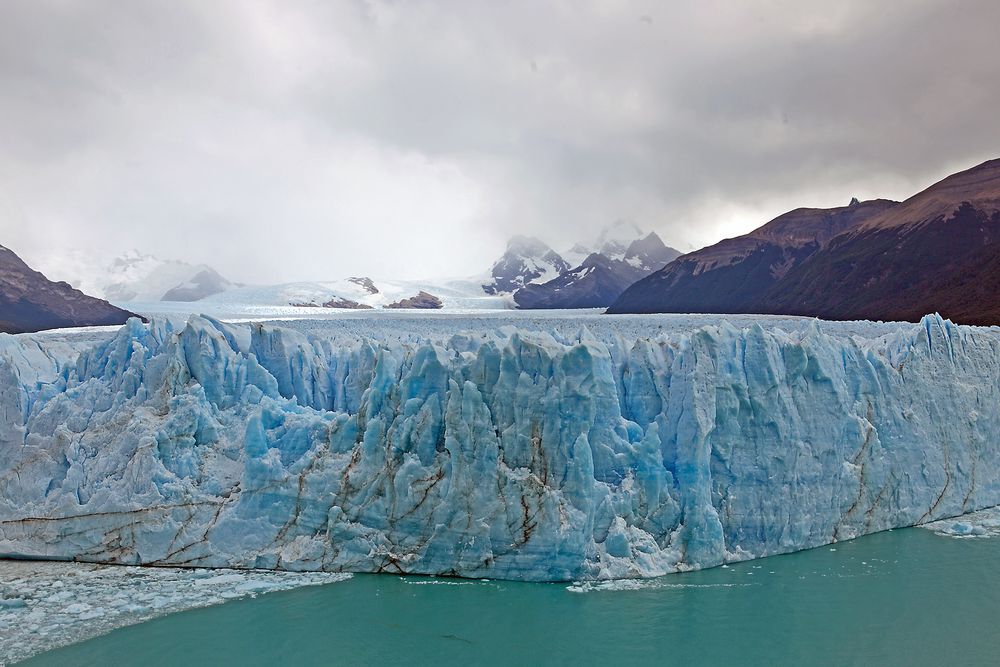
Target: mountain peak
<point>620,229</point>
<point>616,237</point>
<point>527,246</point>
<point>527,260</point>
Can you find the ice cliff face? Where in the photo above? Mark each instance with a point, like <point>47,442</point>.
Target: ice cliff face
<point>504,454</point>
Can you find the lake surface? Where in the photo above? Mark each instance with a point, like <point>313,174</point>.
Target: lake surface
<point>906,597</point>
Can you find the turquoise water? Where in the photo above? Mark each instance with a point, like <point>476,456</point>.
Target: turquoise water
<point>907,597</point>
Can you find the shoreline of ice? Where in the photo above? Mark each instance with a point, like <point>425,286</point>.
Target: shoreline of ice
<point>45,605</point>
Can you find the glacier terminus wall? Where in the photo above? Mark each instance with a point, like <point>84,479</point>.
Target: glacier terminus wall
<point>498,451</point>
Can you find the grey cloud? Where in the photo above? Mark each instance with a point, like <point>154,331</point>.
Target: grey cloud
<point>283,141</point>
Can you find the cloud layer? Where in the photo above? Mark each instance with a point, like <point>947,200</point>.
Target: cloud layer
<point>281,141</point>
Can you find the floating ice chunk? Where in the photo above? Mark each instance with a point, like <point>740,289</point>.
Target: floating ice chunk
<point>984,523</point>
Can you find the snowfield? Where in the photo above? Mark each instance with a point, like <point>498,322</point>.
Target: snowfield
<point>535,446</point>
<point>455,294</point>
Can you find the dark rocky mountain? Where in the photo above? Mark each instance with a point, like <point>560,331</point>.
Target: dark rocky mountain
<point>649,254</point>
<point>601,278</point>
<point>364,282</point>
<point>337,302</point>
<point>421,300</point>
<point>31,302</point>
<point>938,251</point>
<point>594,284</point>
<point>728,276</point>
<point>526,260</point>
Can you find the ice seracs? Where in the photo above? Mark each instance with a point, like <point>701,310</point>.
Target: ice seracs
<point>487,451</point>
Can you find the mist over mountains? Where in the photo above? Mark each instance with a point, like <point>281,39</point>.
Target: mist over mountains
<point>936,251</point>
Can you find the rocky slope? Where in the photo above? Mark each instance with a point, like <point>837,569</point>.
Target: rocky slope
<point>601,277</point>
<point>526,261</point>
<point>938,251</point>
<point>31,302</point>
<point>423,300</point>
<point>134,276</point>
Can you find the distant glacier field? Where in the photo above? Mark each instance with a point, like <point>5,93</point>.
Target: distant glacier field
<point>530,446</point>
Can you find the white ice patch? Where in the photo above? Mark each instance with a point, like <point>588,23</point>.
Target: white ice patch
<point>984,523</point>
<point>44,605</point>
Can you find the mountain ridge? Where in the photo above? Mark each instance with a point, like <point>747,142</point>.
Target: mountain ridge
<point>537,277</point>
<point>31,302</point>
<point>933,252</point>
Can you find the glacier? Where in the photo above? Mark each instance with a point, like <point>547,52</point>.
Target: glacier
<point>489,449</point>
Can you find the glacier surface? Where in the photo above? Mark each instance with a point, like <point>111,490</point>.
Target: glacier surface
<point>481,449</point>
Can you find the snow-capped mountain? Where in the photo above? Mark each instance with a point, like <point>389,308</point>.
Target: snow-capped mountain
<point>202,284</point>
<point>526,261</point>
<point>140,277</point>
<point>134,276</point>
<point>615,240</point>
<point>588,275</point>
<point>601,271</point>
<point>579,252</point>
<point>597,282</point>
<point>31,302</point>
<point>647,254</point>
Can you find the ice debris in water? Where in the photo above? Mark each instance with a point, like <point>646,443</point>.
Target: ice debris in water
<point>483,449</point>
<point>658,583</point>
<point>984,523</point>
<point>49,604</point>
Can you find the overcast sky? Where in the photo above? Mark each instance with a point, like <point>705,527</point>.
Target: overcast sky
<point>284,141</point>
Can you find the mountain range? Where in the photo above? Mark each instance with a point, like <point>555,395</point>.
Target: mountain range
<point>31,302</point>
<point>938,251</point>
<point>135,277</point>
<point>881,260</point>
<point>536,276</point>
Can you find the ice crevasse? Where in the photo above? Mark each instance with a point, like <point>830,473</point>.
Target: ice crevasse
<point>503,453</point>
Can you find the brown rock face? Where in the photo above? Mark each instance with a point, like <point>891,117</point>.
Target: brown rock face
<point>938,251</point>
<point>335,303</point>
<point>31,302</point>
<point>421,300</point>
<point>366,283</point>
